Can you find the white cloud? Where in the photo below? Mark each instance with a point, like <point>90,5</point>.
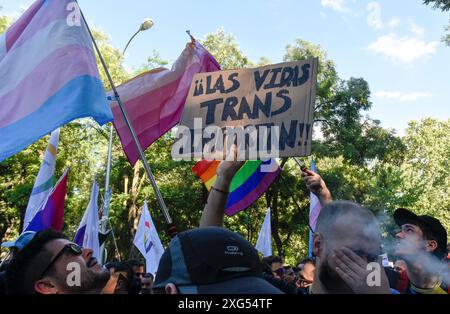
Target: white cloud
<point>402,96</point>
<point>374,16</point>
<point>419,31</point>
<point>394,22</point>
<point>335,5</point>
<point>403,49</point>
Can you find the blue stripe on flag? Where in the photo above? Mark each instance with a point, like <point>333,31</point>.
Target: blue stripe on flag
<point>82,97</point>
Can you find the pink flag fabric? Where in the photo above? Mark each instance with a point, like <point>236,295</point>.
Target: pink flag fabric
<point>315,206</point>
<point>48,75</point>
<point>154,101</point>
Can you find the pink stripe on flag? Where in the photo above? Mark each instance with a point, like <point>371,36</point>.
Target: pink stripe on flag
<point>154,102</point>
<point>17,28</point>
<point>17,105</point>
<point>34,22</point>
<point>314,215</point>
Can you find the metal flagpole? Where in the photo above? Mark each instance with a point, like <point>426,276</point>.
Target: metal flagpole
<point>114,238</point>
<point>300,164</point>
<point>107,198</point>
<point>172,230</point>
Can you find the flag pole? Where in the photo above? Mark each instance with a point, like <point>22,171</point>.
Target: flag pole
<point>172,230</point>
<point>300,164</point>
<point>107,198</point>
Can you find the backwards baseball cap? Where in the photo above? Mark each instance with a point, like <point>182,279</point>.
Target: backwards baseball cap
<point>21,242</point>
<point>212,261</point>
<point>432,225</point>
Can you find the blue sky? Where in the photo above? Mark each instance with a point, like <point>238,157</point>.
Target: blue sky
<point>393,44</point>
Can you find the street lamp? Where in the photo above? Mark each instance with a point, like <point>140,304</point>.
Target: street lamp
<point>146,25</point>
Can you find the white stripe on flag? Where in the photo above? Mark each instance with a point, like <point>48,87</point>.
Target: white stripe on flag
<point>264,244</point>
<point>92,224</point>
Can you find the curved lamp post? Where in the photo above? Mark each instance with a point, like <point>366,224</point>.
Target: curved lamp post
<point>146,25</point>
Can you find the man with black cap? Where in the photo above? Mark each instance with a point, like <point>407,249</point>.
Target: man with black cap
<point>422,244</point>
<point>211,260</point>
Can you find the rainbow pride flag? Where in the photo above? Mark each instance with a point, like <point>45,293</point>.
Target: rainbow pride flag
<point>50,216</point>
<point>252,181</point>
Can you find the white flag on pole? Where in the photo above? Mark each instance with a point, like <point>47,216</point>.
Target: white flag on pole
<point>87,233</point>
<point>44,180</point>
<point>264,244</point>
<point>147,241</point>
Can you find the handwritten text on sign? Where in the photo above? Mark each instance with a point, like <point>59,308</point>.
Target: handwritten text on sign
<point>268,111</point>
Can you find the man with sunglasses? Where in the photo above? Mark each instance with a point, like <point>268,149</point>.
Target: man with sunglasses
<point>50,264</point>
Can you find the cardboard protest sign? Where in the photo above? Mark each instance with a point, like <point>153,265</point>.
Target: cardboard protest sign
<point>267,111</point>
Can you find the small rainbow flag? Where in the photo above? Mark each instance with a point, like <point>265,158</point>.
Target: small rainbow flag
<point>251,181</point>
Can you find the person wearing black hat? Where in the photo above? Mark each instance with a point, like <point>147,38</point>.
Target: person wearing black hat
<point>211,260</point>
<point>422,244</point>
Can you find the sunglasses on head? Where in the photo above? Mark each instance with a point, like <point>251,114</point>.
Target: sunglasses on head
<point>71,248</point>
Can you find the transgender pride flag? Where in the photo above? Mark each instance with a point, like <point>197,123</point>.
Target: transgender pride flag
<point>48,75</point>
<point>154,101</point>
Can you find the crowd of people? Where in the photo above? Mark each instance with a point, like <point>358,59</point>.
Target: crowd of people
<point>347,247</point>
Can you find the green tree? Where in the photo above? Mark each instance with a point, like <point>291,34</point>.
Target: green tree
<point>444,5</point>
<point>426,168</point>
<point>113,58</point>
<point>446,38</point>
<point>226,50</point>
<point>5,21</point>
<point>153,62</point>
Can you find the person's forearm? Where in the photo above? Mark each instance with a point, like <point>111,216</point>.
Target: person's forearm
<point>325,197</point>
<point>213,213</point>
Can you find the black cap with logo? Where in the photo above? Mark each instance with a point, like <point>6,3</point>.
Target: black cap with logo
<point>212,261</point>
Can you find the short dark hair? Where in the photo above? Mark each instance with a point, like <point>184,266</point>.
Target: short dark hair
<point>133,286</point>
<point>441,251</point>
<point>135,263</point>
<point>272,259</point>
<point>331,212</point>
<point>148,275</point>
<point>16,275</point>
<point>308,260</point>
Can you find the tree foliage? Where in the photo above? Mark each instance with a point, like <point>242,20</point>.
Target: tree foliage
<point>359,160</point>
<point>443,5</point>
<point>225,49</point>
